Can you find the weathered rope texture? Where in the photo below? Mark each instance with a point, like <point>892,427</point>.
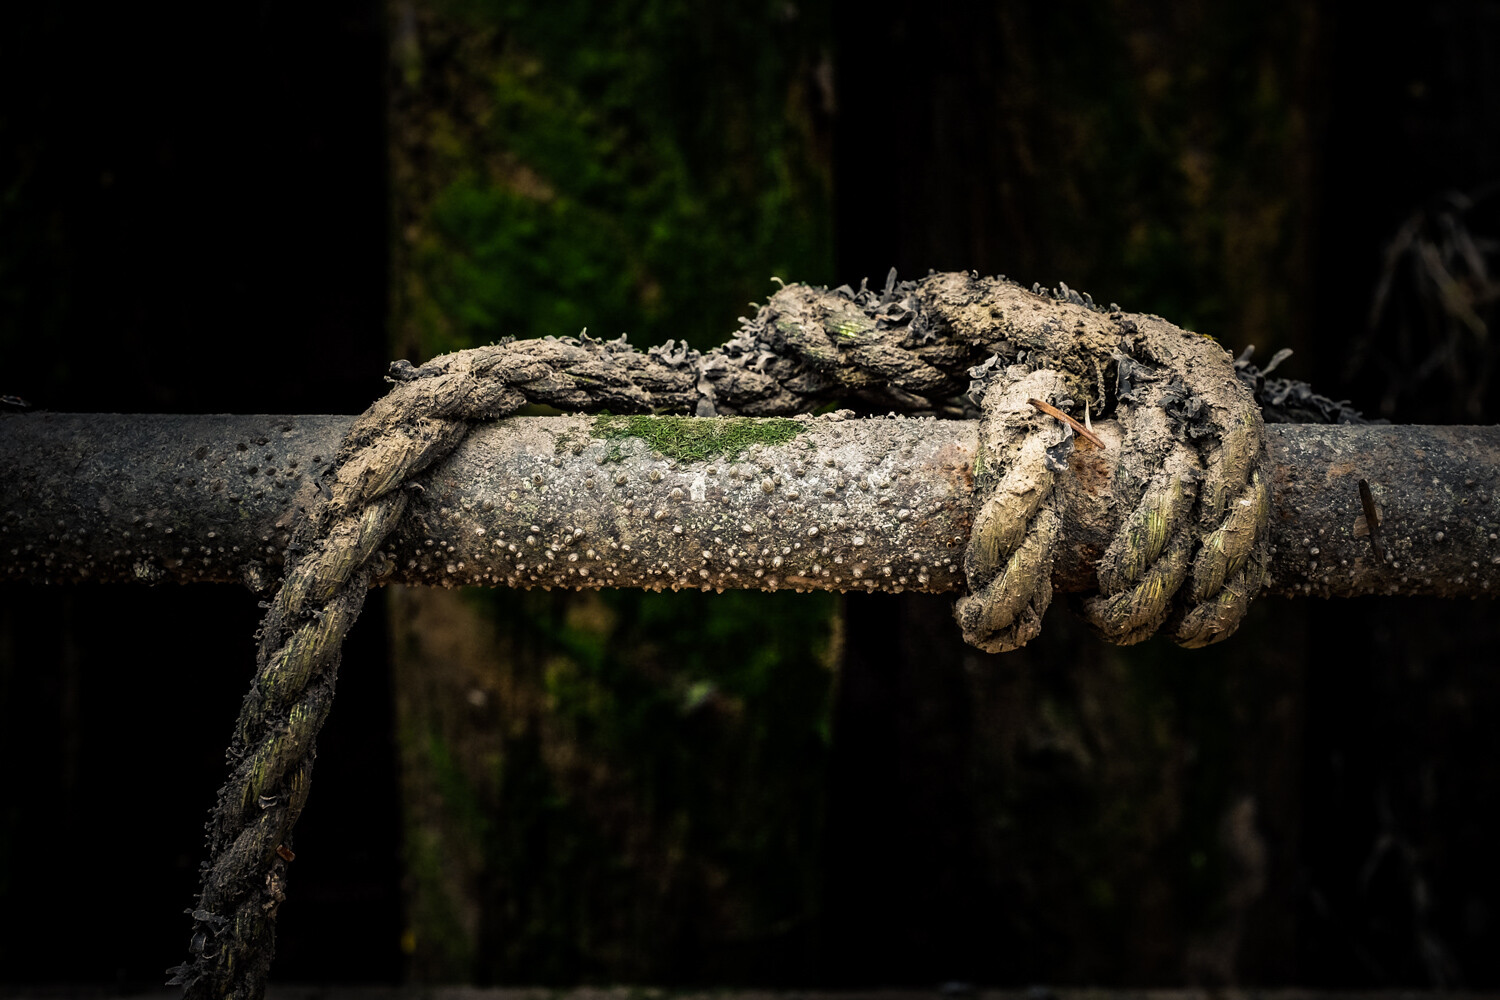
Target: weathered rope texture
<point>1188,471</point>
<point>914,346</point>
<point>1008,561</point>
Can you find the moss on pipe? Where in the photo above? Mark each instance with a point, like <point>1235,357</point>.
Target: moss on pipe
<point>689,439</point>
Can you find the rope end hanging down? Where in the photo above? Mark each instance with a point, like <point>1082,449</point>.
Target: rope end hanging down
<point>1190,557</point>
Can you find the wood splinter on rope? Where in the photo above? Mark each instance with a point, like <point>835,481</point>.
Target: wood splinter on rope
<point>1190,482</point>
<point>1078,428</point>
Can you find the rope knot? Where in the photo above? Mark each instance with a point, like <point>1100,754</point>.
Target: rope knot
<point>1193,547</point>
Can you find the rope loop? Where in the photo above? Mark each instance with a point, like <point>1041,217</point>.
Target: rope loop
<point>1017,520</point>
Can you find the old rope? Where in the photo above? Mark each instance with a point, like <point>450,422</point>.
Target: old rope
<point>1191,554</point>
<point>1188,472</point>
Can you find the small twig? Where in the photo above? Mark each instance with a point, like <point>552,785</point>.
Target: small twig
<point>1078,428</point>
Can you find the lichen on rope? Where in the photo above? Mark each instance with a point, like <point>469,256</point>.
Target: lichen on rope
<point>1191,555</point>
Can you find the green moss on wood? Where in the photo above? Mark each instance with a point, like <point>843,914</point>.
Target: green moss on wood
<point>693,439</point>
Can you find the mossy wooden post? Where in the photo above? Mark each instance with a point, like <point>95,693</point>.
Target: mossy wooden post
<point>606,787</point>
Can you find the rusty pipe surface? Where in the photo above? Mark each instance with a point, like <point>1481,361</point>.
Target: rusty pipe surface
<point>869,504</point>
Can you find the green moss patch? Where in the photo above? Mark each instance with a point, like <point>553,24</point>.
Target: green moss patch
<point>692,439</point>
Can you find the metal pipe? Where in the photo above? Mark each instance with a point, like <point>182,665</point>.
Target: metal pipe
<point>817,503</point>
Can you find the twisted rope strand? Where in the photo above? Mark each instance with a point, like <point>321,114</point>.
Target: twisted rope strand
<point>911,346</point>
<point>1008,561</point>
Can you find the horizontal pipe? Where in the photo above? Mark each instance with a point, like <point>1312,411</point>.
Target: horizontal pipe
<point>817,503</point>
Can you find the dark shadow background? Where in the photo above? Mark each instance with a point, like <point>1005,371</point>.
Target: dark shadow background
<point>193,218</point>
<point>193,221</point>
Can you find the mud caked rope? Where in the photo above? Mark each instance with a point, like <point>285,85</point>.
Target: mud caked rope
<point>1191,554</point>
